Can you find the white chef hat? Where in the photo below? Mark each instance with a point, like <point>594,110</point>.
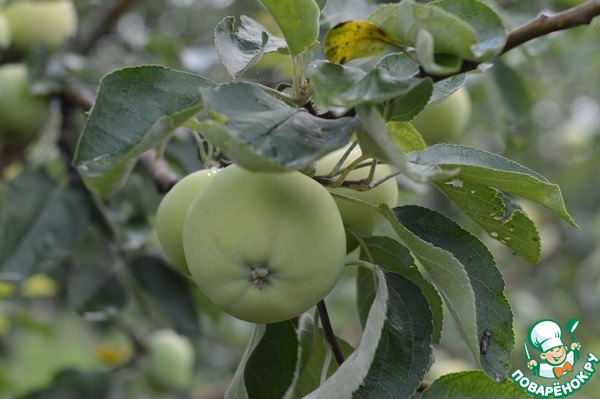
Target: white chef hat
<point>545,335</point>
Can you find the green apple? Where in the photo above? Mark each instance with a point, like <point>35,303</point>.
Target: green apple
<point>5,36</point>
<point>446,120</point>
<point>362,219</point>
<point>171,359</point>
<point>171,215</point>
<point>264,247</point>
<point>22,114</point>
<point>49,23</point>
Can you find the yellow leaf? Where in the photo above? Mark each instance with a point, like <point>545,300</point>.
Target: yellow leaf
<point>354,39</point>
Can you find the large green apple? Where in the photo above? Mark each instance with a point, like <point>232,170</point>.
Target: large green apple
<point>364,220</point>
<point>447,120</point>
<point>171,359</point>
<point>22,114</point>
<point>264,247</point>
<point>5,36</point>
<point>171,215</point>
<point>48,23</point>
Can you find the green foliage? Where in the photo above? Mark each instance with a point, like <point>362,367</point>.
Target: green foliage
<point>85,213</point>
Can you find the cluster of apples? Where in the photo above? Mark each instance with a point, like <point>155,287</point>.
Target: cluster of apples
<point>265,247</point>
<point>24,26</point>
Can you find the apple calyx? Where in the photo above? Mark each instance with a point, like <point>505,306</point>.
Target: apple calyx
<point>259,276</point>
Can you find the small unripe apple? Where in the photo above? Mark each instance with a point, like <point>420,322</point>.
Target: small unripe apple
<point>5,36</point>
<point>171,215</point>
<point>22,114</point>
<point>446,120</point>
<point>264,247</point>
<point>171,359</point>
<point>364,220</point>
<point>49,23</point>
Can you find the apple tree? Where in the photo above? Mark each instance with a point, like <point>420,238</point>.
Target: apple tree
<point>157,206</point>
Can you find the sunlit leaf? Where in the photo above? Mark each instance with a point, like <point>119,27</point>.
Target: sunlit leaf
<point>298,21</point>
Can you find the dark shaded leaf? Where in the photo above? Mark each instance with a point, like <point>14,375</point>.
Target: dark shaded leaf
<point>270,369</point>
<point>169,289</point>
<point>492,310</point>
<point>473,385</point>
<point>96,293</point>
<point>46,222</point>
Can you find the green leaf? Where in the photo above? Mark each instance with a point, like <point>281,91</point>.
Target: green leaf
<point>96,293</point>
<point>353,371</point>
<point>262,133</point>
<point>312,354</point>
<point>341,88</point>
<point>406,136</point>
<point>390,255</point>
<point>491,34</point>
<point>515,91</point>
<point>404,23</point>
<point>402,66</point>
<point>354,39</point>
<point>169,289</point>
<point>436,65</point>
<point>488,208</point>
<point>75,384</point>
<point>136,109</point>
<point>473,385</point>
<point>493,170</point>
<point>404,352</point>
<point>46,222</point>
<point>298,21</point>
<point>242,49</point>
<point>447,274</point>
<point>492,310</point>
<point>270,369</point>
<point>375,140</point>
<point>237,387</point>
<point>111,181</point>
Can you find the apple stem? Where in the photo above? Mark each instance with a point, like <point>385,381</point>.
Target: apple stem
<point>329,334</point>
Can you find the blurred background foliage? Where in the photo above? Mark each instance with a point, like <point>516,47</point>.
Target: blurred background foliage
<point>539,105</point>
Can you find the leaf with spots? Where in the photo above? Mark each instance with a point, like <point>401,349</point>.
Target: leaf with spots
<point>354,39</point>
<point>493,170</point>
<point>491,210</point>
<point>461,252</point>
<point>473,385</point>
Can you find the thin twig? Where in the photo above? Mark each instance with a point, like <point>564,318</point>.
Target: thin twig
<point>328,331</point>
<point>582,14</point>
<point>423,386</point>
<point>159,171</point>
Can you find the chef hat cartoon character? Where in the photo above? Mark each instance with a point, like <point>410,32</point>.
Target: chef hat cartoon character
<point>556,358</point>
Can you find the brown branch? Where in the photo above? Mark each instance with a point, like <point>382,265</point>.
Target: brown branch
<point>101,24</point>
<point>582,14</point>
<point>159,171</point>
<point>358,184</point>
<point>423,385</point>
<point>328,331</point>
